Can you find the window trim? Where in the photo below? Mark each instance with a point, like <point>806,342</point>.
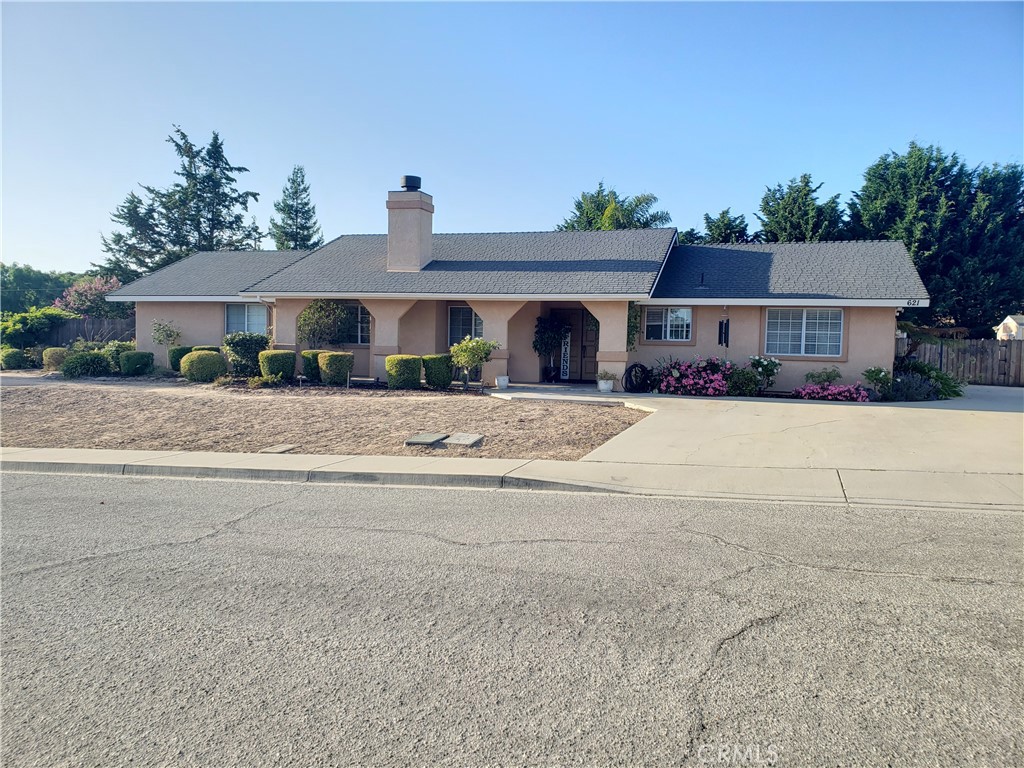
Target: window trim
<point>691,341</point>
<point>247,304</point>
<point>802,355</point>
<point>361,312</point>
<point>473,327</point>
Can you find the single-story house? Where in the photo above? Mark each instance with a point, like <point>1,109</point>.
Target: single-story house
<point>811,305</point>
<point>1011,328</point>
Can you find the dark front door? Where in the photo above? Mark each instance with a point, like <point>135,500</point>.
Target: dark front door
<point>577,361</point>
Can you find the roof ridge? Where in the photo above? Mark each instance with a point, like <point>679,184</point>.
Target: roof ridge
<point>284,267</point>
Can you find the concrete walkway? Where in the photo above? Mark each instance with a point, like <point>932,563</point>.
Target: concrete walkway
<point>962,453</point>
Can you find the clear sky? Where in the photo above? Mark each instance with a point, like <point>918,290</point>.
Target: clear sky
<point>507,111</point>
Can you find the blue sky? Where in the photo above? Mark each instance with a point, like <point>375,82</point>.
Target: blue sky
<point>507,111</point>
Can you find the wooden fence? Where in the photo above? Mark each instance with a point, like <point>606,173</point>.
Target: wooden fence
<point>977,361</point>
<point>91,329</point>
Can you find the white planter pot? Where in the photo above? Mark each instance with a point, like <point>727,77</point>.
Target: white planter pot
<point>501,382</point>
<point>605,385</point>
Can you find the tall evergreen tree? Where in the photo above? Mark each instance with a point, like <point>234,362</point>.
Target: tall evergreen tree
<point>604,209</point>
<point>726,228</point>
<point>298,229</point>
<point>963,227</point>
<point>202,211</point>
<point>792,214</point>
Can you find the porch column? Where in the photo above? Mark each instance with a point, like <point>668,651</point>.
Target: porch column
<point>285,322</point>
<point>495,316</point>
<point>384,340</point>
<point>612,354</point>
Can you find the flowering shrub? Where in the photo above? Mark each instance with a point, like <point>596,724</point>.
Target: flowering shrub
<point>831,391</point>
<point>766,368</point>
<point>708,378</point>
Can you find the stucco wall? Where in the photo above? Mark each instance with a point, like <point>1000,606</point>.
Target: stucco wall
<point>199,322</point>
<point>869,339</point>
<point>418,328</point>
<point>523,363</point>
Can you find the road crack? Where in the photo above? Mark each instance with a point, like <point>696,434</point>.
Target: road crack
<point>470,544</point>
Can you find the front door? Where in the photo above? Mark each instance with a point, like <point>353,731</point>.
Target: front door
<point>577,360</point>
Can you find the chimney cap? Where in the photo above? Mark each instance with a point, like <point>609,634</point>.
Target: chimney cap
<point>411,183</point>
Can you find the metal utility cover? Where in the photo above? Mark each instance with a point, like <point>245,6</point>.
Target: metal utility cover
<point>463,440</point>
<point>426,438</point>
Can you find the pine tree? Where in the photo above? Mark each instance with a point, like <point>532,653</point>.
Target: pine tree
<point>298,229</point>
<point>792,214</point>
<point>726,228</point>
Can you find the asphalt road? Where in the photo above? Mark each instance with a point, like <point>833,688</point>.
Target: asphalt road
<point>164,622</point>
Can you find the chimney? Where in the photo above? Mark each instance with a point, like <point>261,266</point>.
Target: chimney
<point>410,227</point>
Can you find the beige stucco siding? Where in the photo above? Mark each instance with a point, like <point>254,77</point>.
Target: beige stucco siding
<point>199,322</point>
<point>869,339</point>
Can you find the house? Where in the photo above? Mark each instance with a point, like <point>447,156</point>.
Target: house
<point>811,305</point>
<point>1011,328</point>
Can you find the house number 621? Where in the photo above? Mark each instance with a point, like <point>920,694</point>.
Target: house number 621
<point>913,302</point>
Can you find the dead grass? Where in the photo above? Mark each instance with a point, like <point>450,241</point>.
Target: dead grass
<point>159,415</point>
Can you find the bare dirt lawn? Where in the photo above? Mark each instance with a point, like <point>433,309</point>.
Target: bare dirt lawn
<point>171,415</point>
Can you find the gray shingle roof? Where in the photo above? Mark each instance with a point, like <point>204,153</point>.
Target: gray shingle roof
<point>210,273</point>
<point>855,269</point>
<point>497,263</point>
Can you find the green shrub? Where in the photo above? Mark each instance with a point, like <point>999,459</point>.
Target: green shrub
<point>79,364</point>
<point>335,367</point>
<point>81,345</point>
<point>264,382</point>
<point>403,371</point>
<point>471,353</point>
<point>910,387</point>
<point>207,348</point>
<point>203,365</point>
<point>113,351</point>
<point>54,357</point>
<point>823,377</point>
<point>743,382</point>
<point>243,351</point>
<point>275,362</point>
<point>25,329</point>
<point>311,363</point>
<point>34,356</point>
<point>174,355</point>
<point>13,360</point>
<point>136,363</point>
<point>437,371</point>
<point>948,386</point>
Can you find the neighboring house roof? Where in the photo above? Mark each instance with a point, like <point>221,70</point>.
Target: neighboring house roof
<point>1018,319</point>
<point>209,275</point>
<point>858,270</point>
<point>620,263</point>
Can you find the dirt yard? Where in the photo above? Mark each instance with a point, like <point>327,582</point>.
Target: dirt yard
<point>172,415</point>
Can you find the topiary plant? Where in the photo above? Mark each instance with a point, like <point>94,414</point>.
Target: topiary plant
<point>243,351</point>
<point>403,371</point>
<point>437,371</point>
<point>86,364</point>
<point>203,365</point>
<point>136,363</point>
<point>54,357</point>
<point>311,363</point>
<point>335,367</point>
<point>174,355</point>
<point>277,362</point>
<point>12,359</point>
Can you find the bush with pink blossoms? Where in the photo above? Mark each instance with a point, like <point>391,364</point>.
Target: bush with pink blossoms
<point>703,377</point>
<point>850,392</point>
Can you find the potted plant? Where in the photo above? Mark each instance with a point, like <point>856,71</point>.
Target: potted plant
<point>605,381</point>
<point>547,339</point>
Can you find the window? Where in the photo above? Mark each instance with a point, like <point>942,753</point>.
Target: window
<point>668,324</point>
<point>251,318</point>
<point>361,330</point>
<point>463,322</point>
<point>804,332</point>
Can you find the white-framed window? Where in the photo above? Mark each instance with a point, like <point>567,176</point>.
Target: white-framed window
<point>804,332</point>
<point>463,322</point>
<point>251,318</point>
<point>361,330</point>
<point>668,324</point>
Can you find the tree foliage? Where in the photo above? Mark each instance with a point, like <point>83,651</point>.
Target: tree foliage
<point>792,214</point>
<point>326,322</point>
<point>23,287</point>
<point>605,209</point>
<point>726,228</point>
<point>87,298</point>
<point>963,227</point>
<point>202,211</point>
<point>298,229</point>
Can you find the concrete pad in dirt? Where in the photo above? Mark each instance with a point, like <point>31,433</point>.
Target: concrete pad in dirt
<point>814,434</point>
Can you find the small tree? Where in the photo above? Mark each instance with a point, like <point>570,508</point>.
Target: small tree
<point>548,334</point>
<point>166,335</point>
<point>88,298</point>
<point>326,322</point>
<point>471,353</point>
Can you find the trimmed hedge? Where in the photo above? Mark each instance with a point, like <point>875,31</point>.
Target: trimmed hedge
<point>114,349</point>
<point>86,364</point>
<point>277,362</point>
<point>13,360</point>
<point>136,363</point>
<point>54,357</point>
<point>403,371</point>
<point>335,367</point>
<point>311,363</point>
<point>207,348</point>
<point>203,365</point>
<point>437,370</point>
<point>243,351</point>
<point>174,355</point>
